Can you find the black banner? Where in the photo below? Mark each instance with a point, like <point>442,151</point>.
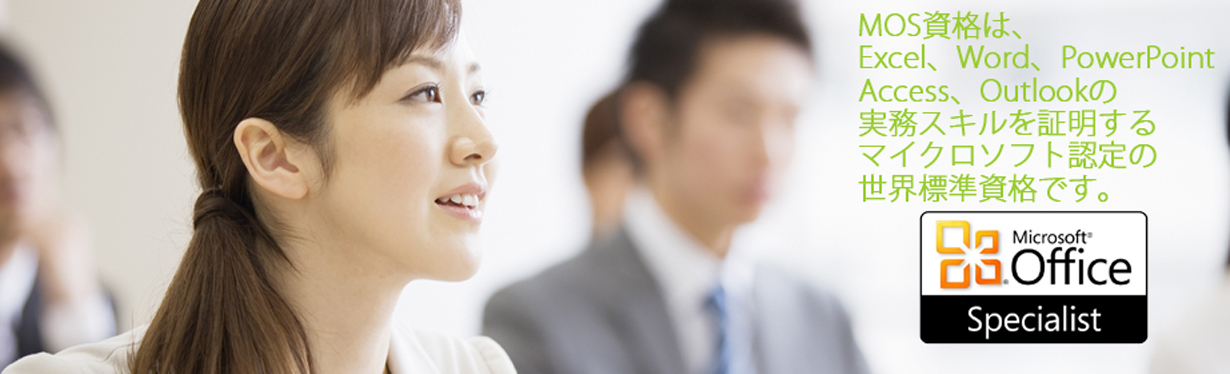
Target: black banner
<point>1035,319</point>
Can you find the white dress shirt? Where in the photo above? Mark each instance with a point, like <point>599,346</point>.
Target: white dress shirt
<point>410,352</point>
<point>16,281</point>
<point>687,273</point>
<point>62,326</point>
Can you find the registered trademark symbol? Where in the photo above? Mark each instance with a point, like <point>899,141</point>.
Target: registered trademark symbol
<point>1005,281</point>
<point>1088,235</point>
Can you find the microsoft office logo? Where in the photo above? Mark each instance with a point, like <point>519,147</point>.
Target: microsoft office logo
<point>965,251</point>
<point>1033,277</point>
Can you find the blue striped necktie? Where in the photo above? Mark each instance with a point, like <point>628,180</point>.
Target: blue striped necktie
<point>717,305</point>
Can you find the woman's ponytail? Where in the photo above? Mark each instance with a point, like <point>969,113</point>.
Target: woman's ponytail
<point>222,313</point>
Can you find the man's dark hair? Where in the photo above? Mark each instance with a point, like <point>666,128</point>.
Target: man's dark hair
<point>16,77</point>
<point>667,46</point>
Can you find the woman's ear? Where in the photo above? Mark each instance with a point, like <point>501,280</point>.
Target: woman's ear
<point>643,113</point>
<point>275,162</point>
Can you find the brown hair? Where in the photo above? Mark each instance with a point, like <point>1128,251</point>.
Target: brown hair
<point>600,134</point>
<point>280,61</point>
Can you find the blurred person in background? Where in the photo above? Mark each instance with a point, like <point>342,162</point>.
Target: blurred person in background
<point>606,167</point>
<point>50,296</point>
<point>708,113</point>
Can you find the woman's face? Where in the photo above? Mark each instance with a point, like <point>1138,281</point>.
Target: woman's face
<point>412,167</point>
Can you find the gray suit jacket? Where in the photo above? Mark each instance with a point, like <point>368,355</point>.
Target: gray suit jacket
<point>602,312</point>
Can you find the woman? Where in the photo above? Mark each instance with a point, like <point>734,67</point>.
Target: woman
<point>606,167</point>
<point>342,153</point>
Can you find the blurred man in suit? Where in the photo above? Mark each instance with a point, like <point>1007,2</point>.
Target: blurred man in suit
<point>708,112</point>
<point>50,298</point>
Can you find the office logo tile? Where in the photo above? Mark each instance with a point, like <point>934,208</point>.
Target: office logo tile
<point>965,268</point>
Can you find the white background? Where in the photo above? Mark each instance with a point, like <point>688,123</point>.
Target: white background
<point>110,68</point>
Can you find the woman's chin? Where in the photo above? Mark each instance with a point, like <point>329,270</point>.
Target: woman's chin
<point>460,272</point>
<point>460,266</point>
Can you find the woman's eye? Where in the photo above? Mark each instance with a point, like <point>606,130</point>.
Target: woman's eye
<point>478,98</point>
<point>429,94</point>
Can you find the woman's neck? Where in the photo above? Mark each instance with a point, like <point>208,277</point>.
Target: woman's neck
<point>346,307</point>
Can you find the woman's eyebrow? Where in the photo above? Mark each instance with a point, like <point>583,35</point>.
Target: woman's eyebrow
<point>430,62</point>
<point>437,65</point>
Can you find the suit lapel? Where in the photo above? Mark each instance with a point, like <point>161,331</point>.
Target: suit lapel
<point>29,338</point>
<point>641,318</point>
<point>777,339</point>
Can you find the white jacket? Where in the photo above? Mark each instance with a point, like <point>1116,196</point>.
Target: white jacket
<point>410,351</point>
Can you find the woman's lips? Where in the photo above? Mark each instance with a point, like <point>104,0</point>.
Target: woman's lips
<point>472,214</point>
<point>10,193</point>
<point>464,202</point>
